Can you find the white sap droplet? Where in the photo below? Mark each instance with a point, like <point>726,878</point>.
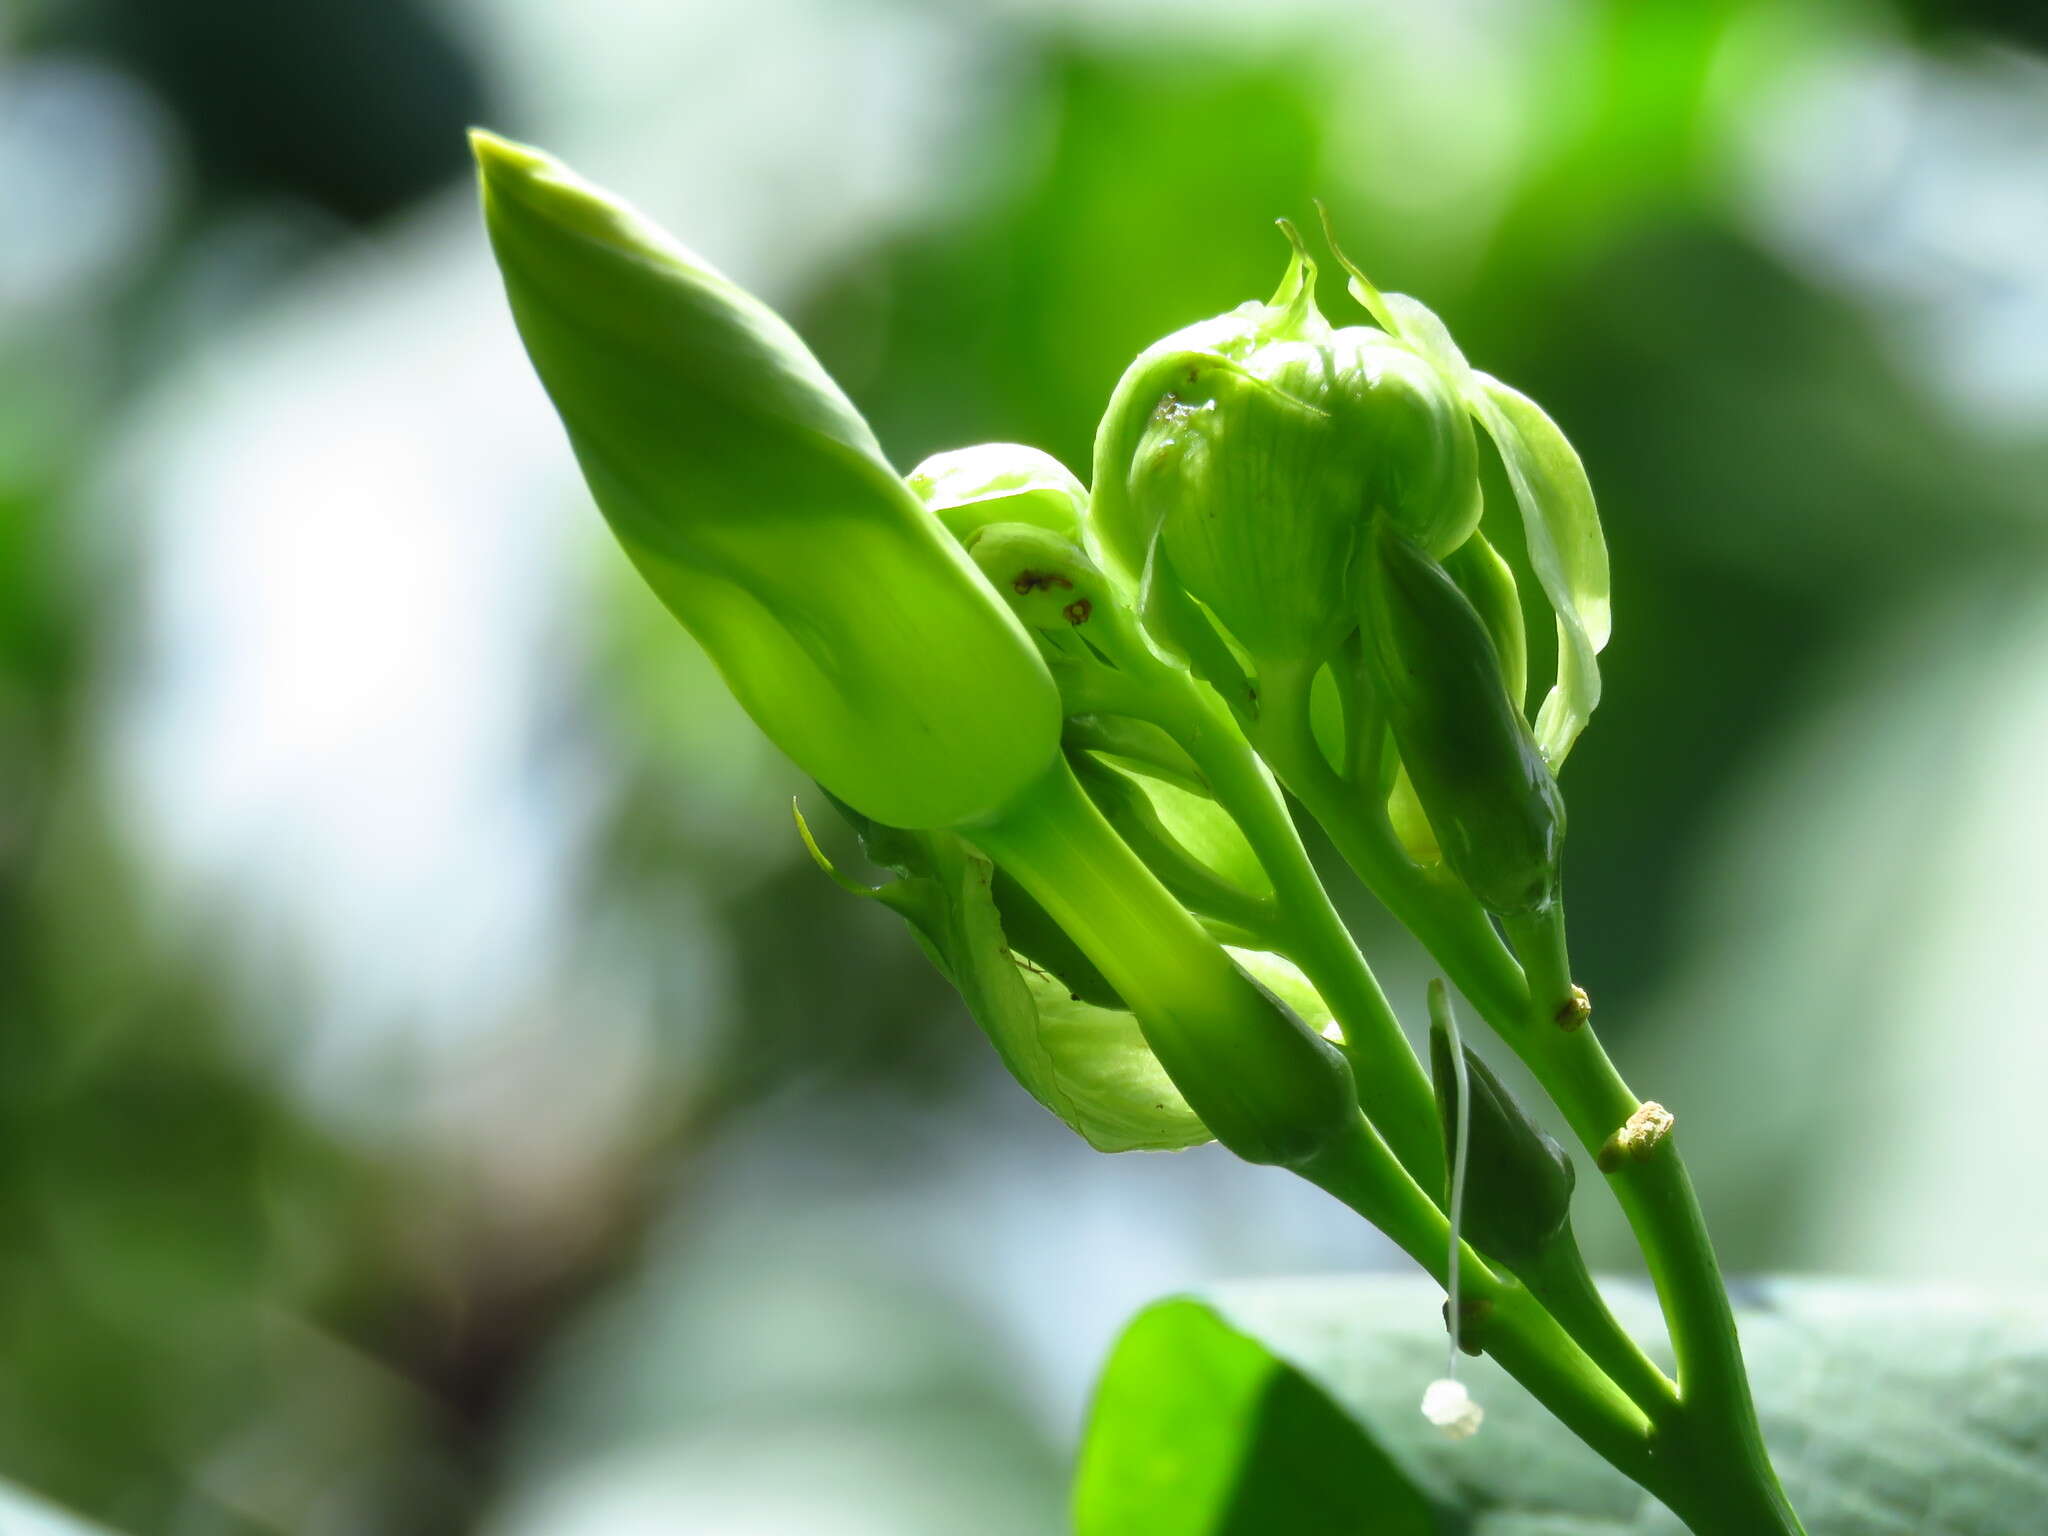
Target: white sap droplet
<point>1447,1405</point>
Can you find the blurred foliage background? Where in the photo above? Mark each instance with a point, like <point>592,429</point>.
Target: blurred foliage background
<point>437,1094</point>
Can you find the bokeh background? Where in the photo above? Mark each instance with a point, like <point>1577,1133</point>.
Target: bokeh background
<point>437,1095</point>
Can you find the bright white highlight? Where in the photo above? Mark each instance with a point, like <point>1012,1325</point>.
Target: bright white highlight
<point>1447,1405</point>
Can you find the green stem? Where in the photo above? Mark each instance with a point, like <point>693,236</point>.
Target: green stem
<point>1196,1006</point>
<point>1716,1434</point>
<point>1265,1083</point>
<point>1393,1088</point>
<point>1561,1281</point>
<point>1719,1429</point>
<point>1444,917</point>
<point>1656,1194</point>
<point>1512,1327</point>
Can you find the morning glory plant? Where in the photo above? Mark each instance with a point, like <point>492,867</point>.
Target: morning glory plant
<point>1067,720</point>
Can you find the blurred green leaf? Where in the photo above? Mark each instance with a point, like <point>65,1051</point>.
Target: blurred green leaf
<point>1197,1428</point>
<point>1291,1406</point>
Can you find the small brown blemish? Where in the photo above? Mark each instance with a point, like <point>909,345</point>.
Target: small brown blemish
<point>1078,611</point>
<point>1038,581</point>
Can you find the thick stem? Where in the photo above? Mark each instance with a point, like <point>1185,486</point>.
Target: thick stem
<point>1393,1087</point>
<point>1719,1423</point>
<point>1267,1085</point>
<point>1717,1435</point>
<point>1447,921</point>
<point>1561,1281</point>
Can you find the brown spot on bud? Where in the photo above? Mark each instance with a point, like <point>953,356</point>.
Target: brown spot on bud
<point>1078,611</point>
<point>1027,582</point>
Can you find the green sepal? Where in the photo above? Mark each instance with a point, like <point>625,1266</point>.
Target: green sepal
<point>1137,744</point>
<point>1057,1024</point>
<point>754,499</point>
<point>1518,1180</point>
<point>1187,840</point>
<point>1560,522</point>
<point>1566,548</point>
<point>1489,797</point>
<point>1028,929</point>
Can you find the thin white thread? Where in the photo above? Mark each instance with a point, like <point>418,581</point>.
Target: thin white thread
<point>1446,1403</point>
<point>1459,1154</point>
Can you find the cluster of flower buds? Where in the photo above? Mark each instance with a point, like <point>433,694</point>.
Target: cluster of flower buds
<point>1276,488</point>
<point>998,673</point>
<point>900,651</point>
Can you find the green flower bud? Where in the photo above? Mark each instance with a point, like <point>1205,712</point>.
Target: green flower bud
<point>1560,525</point>
<point>1048,579</point>
<point>1253,448</point>
<point>1000,483</point>
<point>1489,797</point>
<point>754,499</point>
<point>1518,1180</point>
<point>1489,585</point>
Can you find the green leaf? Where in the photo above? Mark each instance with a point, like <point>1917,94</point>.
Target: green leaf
<point>1198,1431</point>
<point>1889,1412</point>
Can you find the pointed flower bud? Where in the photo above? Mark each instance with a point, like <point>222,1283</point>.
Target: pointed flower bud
<point>1518,1180</point>
<point>1489,797</point>
<point>754,499</point>
<point>1253,448</point>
